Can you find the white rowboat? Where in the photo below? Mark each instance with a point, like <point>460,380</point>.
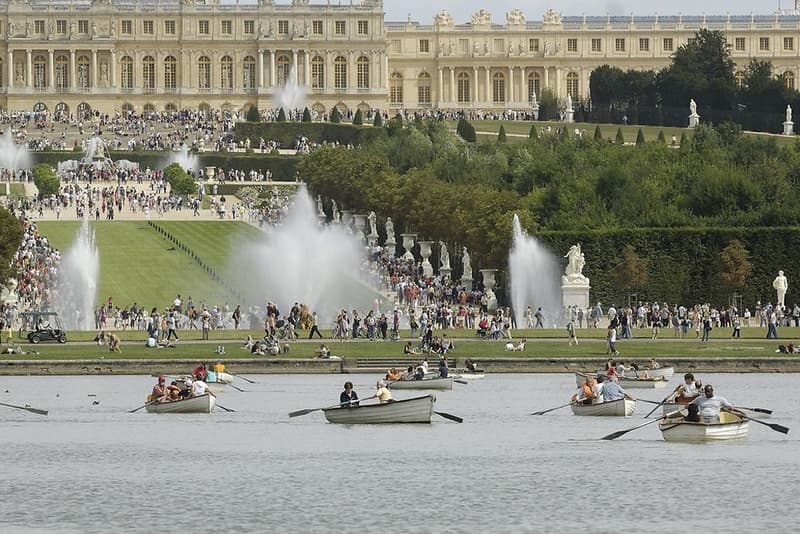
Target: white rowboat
<point>200,404</point>
<point>416,410</point>
<point>627,381</point>
<point>730,427</point>
<point>616,408</point>
<point>665,372</point>
<point>468,375</point>
<point>428,383</point>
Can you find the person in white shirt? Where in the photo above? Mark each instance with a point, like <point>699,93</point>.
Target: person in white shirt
<point>710,405</point>
<point>201,388</point>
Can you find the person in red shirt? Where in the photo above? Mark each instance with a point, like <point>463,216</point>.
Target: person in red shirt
<point>200,372</point>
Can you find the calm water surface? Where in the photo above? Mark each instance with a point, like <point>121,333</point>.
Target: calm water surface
<point>97,468</point>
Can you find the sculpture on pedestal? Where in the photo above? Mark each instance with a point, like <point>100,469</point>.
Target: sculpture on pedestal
<point>444,256</point>
<point>373,229</point>
<point>389,226</point>
<point>780,284</point>
<point>573,274</point>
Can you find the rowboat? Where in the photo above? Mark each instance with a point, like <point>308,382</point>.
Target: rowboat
<point>730,427</point>
<point>617,408</point>
<point>427,383</point>
<point>416,410</point>
<point>463,374</point>
<point>665,372</point>
<point>219,378</point>
<point>200,404</point>
<point>626,381</point>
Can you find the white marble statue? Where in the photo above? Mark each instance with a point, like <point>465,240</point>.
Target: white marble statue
<point>552,16</point>
<point>444,19</point>
<point>482,17</point>
<point>575,263</point>
<point>320,211</point>
<point>373,228</point>
<point>465,261</point>
<point>788,113</point>
<point>335,215</point>
<point>389,226</point>
<point>781,285</point>
<point>515,16</point>
<point>444,256</point>
<point>692,107</point>
<point>569,103</point>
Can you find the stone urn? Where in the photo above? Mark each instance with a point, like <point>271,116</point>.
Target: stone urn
<point>488,287</point>
<point>408,244</point>
<point>360,223</point>
<point>211,171</point>
<point>425,252</point>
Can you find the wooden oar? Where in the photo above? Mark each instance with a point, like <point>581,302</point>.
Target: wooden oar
<point>452,417</point>
<point>224,408</point>
<point>661,403</point>
<point>759,410</point>
<point>459,381</point>
<point>312,410</point>
<point>551,409</point>
<point>140,407</point>
<point>237,388</point>
<point>618,433</point>
<point>246,379</point>
<point>26,408</point>
<point>774,426</point>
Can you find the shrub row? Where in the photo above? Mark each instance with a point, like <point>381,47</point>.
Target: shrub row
<point>285,133</point>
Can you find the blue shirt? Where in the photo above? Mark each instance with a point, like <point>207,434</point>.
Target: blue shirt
<point>612,391</point>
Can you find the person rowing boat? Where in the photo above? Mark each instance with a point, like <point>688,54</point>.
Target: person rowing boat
<point>688,391</point>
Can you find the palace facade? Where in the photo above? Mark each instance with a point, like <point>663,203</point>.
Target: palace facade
<point>107,55</point>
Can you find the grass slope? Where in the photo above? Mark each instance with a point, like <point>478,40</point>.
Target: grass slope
<point>137,264</point>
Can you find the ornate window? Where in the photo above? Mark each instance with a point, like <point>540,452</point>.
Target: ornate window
<point>572,85</point>
<point>362,72</point>
<point>463,88</point>
<point>126,72</point>
<point>739,78</point>
<point>170,73</point>
<point>249,72</point>
<point>340,72</point>
<point>62,72</point>
<point>148,73</point>
<point>788,79</point>
<point>204,72</point>
<point>83,72</point>
<point>534,85</point>
<point>40,72</point>
<point>498,88</point>
<point>226,70</point>
<point>396,89</point>
<point>424,88</point>
<point>283,66</point>
<point>317,73</point>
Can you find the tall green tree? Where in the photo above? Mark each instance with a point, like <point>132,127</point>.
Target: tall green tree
<point>45,179</point>
<point>735,266</point>
<point>11,233</point>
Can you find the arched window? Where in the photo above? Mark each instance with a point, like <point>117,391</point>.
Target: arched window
<point>83,72</point>
<point>317,73</point>
<point>396,89</point>
<point>62,72</point>
<point>126,72</point>
<point>40,72</point>
<point>148,73</point>
<point>362,72</point>
<point>204,72</point>
<point>464,88</point>
<point>249,72</point>
<point>170,73</point>
<point>424,89</point>
<point>498,88</point>
<point>739,78</point>
<point>171,107</point>
<point>788,79</point>
<point>149,108</point>
<point>127,106</point>
<point>226,70</point>
<point>84,110</point>
<point>572,85</point>
<point>283,64</point>
<point>340,72</point>
<point>534,84</point>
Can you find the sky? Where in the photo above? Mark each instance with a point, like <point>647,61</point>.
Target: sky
<point>461,10</point>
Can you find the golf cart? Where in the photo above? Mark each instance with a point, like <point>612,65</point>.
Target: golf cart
<point>42,326</point>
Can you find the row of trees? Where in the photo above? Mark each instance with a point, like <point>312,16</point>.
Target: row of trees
<point>701,70</point>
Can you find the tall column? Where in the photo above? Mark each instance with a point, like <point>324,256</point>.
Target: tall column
<point>72,69</point>
<point>451,96</point>
<point>29,73</point>
<point>294,67</point>
<point>351,71</point>
<point>113,81</point>
<point>546,77</point>
<point>260,69</point>
<point>523,92</point>
<point>385,77</point>
<point>10,82</point>
<point>558,83</point>
<point>511,91</point>
<point>94,69</point>
<point>488,86</point>
<point>51,82</point>
<point>307,68</point>
<point>328,72</point>
<point>272,81</point>
<point>441,86</point>
<point>474,85</point>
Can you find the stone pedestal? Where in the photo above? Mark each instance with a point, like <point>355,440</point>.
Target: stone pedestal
<point>694,120</point>
<point>360,222</point>
<point>347,217</point>
<point>445,272</point>
<point>536,112</point>
<point>788,128</point>
<point>488,287</point>
<point>467,282</point>
<point>322,218</point>
<point>408,244</point>
<point>569,116</point>
<point>575,295</point>
<point>425,252</point>
<point>372,239</point>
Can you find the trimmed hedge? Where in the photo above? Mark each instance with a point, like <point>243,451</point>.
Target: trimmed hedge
<point>286,132</point>
<point>684,263</point>
<point>283,168</point>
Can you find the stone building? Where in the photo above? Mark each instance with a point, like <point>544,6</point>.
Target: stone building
<point>107,55</point>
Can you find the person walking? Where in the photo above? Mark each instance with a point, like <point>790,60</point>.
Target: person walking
<point>314,326</point>
<point>573,339</point>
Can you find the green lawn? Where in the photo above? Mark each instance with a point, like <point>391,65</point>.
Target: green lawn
<point>213,241</point>
<point>137,264</point>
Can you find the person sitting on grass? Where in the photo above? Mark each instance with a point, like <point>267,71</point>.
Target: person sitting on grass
<point>409,349</point>
<point>322,352</point>
<point>114,343</point>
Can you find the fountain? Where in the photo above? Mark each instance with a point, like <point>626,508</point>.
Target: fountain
<point>76,288</point>
<point>534,272</point>
<point>290,96</point>
<point>13,157</point>
<point>302,261</point>
<point>188,162</point>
